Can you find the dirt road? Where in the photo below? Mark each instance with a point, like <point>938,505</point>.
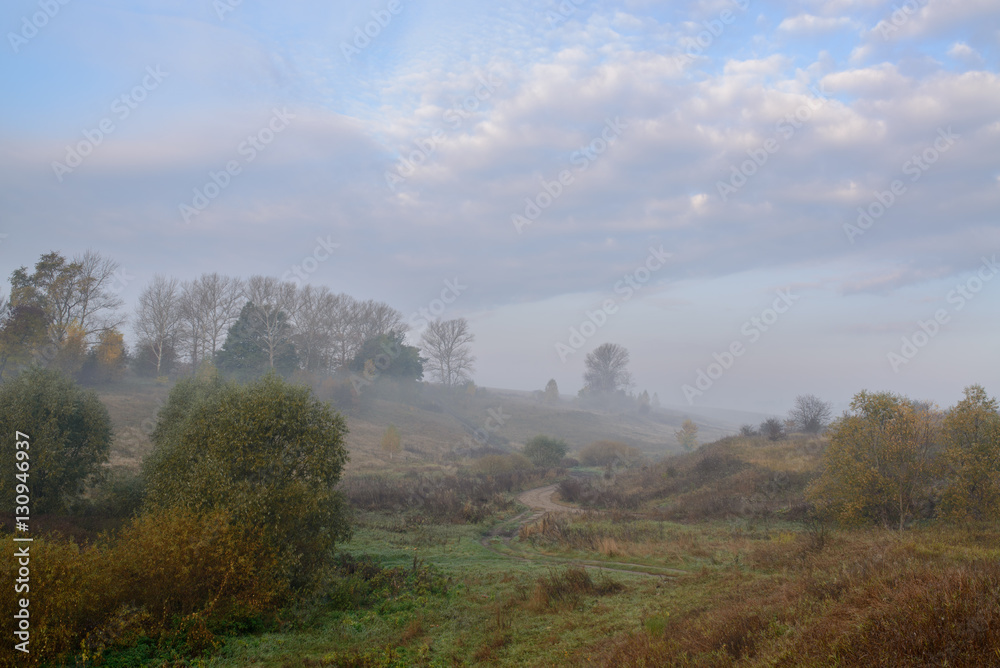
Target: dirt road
<point>540,499</point>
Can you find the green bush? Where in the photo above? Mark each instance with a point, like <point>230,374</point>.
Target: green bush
<point>69,435</point>
<point>501,464</point>
<point>602,453</point>
<point>267,453</point>
<point>545,450</point>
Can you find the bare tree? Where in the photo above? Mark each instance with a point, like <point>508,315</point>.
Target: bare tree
<point>219,298</point>
<point>157,321</point>
<point>353,322</point>
<point>447,345</point>
<point>314,325</point>
<point>98,302</point>
<point>810,414</point>
<point>377,318</point>
<point>192,331</point>
<point>607,369</point>
<point>345,337</point>
<point>275,307</point>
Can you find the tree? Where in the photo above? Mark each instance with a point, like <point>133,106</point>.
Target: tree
<point>748,431</point>
<point>71,293</point>
<point>545,450</point>
<point>219,300</point>
<point>551,391</point>
<point>643,401</point>
<point>810,414</point>
<point>374,318</point>
<point>877,467</point>
<point>447,345</point>
<point>23,332</point>
<point>655,401</point>
<point>106,360</point>
<point>687,435</point>
<point>69,440</point>
<point>607,369</point>
<point>773,429</point>
<point>267,453</point>
<point>111,355</point>
<point>314,326</point>
<point>71,353</point>
<point>386,355</point>
<point>250,350</point>
<point>157,320</point>
<point>99,301</point>
<point>971,458</point>
<point>391,441</point>
<point>275,306</point>
<point>149,364</point>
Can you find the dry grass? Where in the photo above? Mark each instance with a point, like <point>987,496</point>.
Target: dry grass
<point>868,599</point>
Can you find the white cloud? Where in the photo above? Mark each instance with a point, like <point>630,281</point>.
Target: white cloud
<point>965,53</point>
<point>810,24</point>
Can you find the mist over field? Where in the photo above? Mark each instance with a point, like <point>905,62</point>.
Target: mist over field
<point>438,333</point>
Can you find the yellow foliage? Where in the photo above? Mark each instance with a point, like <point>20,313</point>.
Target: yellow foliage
<point>972,458</point>
<point>878,464</point>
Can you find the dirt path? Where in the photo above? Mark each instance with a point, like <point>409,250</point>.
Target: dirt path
<point>540,501</point>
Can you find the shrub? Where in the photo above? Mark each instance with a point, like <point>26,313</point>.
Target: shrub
<point>545,450</point>
<point>267,453</point>
<point>500,464</point>
<point>773,429</point>
<point>602,453</point>
<point>567,588</point>
<point>170,572</point>
<point>878,464</point>
<point>70,437</point>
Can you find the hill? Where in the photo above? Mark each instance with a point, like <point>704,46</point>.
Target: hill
<point>436,425</point>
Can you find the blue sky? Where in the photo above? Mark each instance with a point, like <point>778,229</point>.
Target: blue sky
<point>496,101</point>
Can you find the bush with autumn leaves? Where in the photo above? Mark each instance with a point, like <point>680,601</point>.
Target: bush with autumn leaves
<point>240,518</point>
<point>892,460</point>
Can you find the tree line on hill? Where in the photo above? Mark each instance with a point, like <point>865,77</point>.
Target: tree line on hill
<point>67,314</point>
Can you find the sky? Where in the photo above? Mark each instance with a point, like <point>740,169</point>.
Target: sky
<point>757,199</point>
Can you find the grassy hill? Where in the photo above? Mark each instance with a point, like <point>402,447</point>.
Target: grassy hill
<point>435,425</point>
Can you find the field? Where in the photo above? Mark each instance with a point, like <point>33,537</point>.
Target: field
<point>706,558</point>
